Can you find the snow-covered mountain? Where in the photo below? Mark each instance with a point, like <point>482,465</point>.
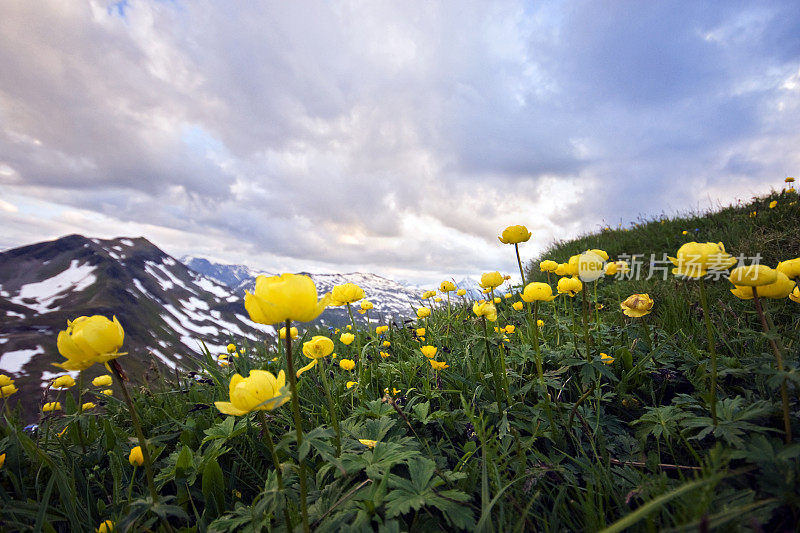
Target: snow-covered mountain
<point>392,300</point>
<point>165,308</point>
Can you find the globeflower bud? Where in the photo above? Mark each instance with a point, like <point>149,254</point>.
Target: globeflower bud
<point>347,338</point>
<point>347,364</point>
<point>538,292</point>
<point>491,280</point>
<point>428,351</point>
<point>637,305</point>
<point>447,286</point>
<point>515,235</point>
<point>136,458</point>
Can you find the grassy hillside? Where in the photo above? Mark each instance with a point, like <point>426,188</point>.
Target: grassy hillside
<point>474,418</point>
<point>745,228</point>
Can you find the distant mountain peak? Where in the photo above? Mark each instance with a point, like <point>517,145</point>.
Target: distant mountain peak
<point>166,309</point>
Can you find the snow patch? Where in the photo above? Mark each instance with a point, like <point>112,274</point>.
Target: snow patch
<point>74,278</point>
<point>210,286</point>
<point>14,361</point>
<point>168,261</point>
<point>126,242</point>
<point>12,313</point>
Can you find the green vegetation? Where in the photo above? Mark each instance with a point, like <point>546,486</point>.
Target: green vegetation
<point>482,445</point>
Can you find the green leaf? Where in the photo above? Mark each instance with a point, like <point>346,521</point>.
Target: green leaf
<point>213,488</point>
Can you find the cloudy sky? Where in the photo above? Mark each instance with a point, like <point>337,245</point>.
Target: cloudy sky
<point>392,137</point>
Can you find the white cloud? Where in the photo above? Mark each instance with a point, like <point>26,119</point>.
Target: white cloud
<point>392,137</point>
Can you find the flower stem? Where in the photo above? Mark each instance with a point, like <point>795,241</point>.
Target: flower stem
<point>586,324</point>
<point>331,407</point>
<point>278,474</point>
<point>495,374</point>
<point>539,370</point>
<point>297,426</point>
<point>519,263</point>
<point>359,357</point>
<point>711,348</point>
<point>137,427</point>
<point>778,350</point>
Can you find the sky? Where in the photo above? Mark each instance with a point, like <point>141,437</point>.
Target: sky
<point>397,138</point>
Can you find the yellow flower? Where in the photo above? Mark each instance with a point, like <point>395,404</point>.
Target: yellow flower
<point>790,267</point>
<point>753,275</point>
<point>517,306</point>
<point>611,269</point>
<point>6,380</point>
<point>136,458</point>
<point>318,347</point>
<point>7,390</point>
<point>285,297</point>
<point>420,332</point>
<point>347,338</point>
<point>63,382</point>
<point>438,365</point>
<point>423,312</point>
<point>637,305</point>
<point>349,327</point>
<point>684,232</point>
<point>428,351</point>
<point>602,253</point>
<point>385,355</point>
<point>491,280</point>
<point>570,286</point>
<point>548,265</point>
<point>461,292</point>
<point>561,269</point>
<point>497,299</point>
<point>515,235</point>
<point>484,309</point>
<point>232,347</point>
<point>366,305</point>
<point>573,265</point>
<point>347,364</point>
<point>540,322</point>
<point>102,381</point>
<point>511,328</point>
<point>346,294</point>
<point>789,180</point>
<point>795,295</point>
<point>368,443</point>
<point>538,292</point>
<point>591,266</point>
<point>51,406</point>
<point>88,405</point>
<point>380,330</point>
<point>106,527</point>
<point>607,359</point>
<point>107,392</point>
<point>88,340</point>
<point>695,259</point>
<point>773,203</point>
<point>753,214</point>
<point>260,391</point>
<point>292,331</point>
<point>351,384</point>
<point>437,300</point>
<point>2,459</point>
<point>780,288</point>
<point>428,294</point>
<point>386,344</point>
<point>447,286</point>
<point>393,392</point>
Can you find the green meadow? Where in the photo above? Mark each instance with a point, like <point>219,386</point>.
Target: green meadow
<point>679,415</point>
